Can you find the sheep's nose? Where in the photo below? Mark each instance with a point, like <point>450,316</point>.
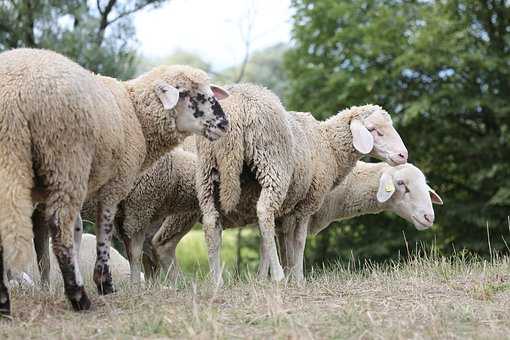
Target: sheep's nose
<point>429,218</point>
<point>223,124</point>
<point>403,155</point>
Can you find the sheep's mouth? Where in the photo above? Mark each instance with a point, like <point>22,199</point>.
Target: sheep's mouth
<point>419,224</point>
<point>213,134</point>
<point>395,160</point>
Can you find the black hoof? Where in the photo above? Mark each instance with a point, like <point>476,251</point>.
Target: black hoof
<point>80,301</point>
<point>106,288</point>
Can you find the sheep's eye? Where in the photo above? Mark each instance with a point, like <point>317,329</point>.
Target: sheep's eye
<point>371,129</point>
<point>379,133</point>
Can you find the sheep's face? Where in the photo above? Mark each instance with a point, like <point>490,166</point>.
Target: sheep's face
<point>375,135</point>
<point>405,191</point>
<point>198,110</point>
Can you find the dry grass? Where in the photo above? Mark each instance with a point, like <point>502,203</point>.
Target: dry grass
<point>427,298</point>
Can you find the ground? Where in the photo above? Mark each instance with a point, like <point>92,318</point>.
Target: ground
<point>425,298</point>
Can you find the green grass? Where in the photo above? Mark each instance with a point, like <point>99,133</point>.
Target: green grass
<point>438,298</point>
<point>192,252</point>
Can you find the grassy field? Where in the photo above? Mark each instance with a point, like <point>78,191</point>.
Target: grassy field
<point>425,298</point>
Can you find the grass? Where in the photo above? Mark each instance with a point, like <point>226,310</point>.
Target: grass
<point>438,298</point>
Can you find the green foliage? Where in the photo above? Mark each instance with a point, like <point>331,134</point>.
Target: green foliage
<point>192,252</point>
<point>98,35</point>
<point>442,69</point>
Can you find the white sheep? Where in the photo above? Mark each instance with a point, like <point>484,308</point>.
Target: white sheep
<point>296,159</point>
<point>67,134</point>
<point>369,188</point>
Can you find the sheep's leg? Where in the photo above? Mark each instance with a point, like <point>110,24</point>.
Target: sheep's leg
<point>104,232</point>
<point>280,236</point>
<point>165,241</point>
<point>212,231</point>
<point>134,249</point>
<point>5,302</point>
<point>42,244</point>
<point>265,214</point>
<point>286,239</point>
<point>263,271</point>
<point>78,232</point>
<point>300,235</point>
<point>67,259</point>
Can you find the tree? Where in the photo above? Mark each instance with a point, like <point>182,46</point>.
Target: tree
<point>442,69</point>
<point>98,35</point>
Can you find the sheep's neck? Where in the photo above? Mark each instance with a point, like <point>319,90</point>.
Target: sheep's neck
<point>356,196</point>
<point>337,137</point>
<point>159,130</point>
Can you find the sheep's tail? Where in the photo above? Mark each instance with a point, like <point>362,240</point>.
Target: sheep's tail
<point>16,207</point>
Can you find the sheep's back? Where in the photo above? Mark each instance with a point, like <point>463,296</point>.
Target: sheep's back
<point>67,111</point>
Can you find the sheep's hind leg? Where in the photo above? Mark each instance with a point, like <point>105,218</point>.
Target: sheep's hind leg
<point>212,231</point>
<point>5,302</point>
<point>67,259</point>
<point>265,214</point>
<point>42,244</point>
<point>104,232</point>
<point>300,235</point>
<point>263,270</point>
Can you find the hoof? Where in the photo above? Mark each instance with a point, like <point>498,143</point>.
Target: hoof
<point>80,301</point>
<point>106,288</point>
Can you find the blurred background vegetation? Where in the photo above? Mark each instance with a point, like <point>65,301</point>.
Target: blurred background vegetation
<point>441,68</point>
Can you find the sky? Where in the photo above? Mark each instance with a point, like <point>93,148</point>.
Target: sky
<point>213,29</point>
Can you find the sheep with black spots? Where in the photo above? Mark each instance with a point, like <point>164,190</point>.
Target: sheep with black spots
<point>68,134</point>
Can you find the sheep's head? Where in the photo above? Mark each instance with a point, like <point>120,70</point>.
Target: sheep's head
<point>405,191</point>
<point>373,134</point>
<point>195,101</point>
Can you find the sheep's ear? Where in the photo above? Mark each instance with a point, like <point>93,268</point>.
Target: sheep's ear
<point>434,197</point>
<point>362,139</point>
<point>168,94</point>
<point>219,92</point>
<point>386,188</point>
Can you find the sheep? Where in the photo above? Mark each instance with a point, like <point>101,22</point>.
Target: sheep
<point>70,134</point>
<point>296,159</point>
<point>119,267</point>
<point>369,188</point>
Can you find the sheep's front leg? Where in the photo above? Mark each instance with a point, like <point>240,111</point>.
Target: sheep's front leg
<point>42,244</point>
<point>5,302</point>
<point>300,235</point>
<point>266,215</point>
<point>104,231</point>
